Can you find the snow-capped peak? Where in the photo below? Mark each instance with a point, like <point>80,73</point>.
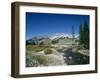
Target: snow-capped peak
<point>59,35</point>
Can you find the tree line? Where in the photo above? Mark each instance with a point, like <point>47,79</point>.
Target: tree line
<point>84,35</point>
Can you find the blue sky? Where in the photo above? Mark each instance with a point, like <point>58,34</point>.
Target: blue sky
<point>42,24</point>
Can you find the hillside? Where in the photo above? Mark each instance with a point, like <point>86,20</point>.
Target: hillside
<point>60,49</point>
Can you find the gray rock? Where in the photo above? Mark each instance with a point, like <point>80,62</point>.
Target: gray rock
<point>31,62</point>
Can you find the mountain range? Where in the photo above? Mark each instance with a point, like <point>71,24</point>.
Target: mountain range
<point>52,37</point>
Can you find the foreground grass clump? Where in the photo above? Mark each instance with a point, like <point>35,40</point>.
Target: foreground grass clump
<point>80,47</point>
<point>40,59</point>
<point>37,48</point>
<point>47,51</point>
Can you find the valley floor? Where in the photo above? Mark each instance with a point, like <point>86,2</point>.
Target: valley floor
<point>61,55</point>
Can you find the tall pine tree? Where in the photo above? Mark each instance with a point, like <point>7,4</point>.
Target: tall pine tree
<point>73,35</point>
<point>81,34</point>
<point>84,35</point>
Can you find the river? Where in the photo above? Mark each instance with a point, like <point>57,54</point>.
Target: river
<point>75,58</point>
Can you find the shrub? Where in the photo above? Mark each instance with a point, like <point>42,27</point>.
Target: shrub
<point>47,51</point>
<point>54,41</point>
<point>79,47</point>
<point>35,48</point>
<point>40,59</point>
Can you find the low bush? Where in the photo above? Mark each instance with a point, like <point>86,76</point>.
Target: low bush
<point>40,59</point>
<point>47,51</point>
<point>79,47</point>
<point>36,48</point>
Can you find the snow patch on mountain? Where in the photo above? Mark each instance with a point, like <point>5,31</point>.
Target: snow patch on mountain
<point>54,36</point>
<point>60,35</point>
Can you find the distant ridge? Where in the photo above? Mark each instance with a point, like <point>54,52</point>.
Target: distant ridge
<point>53,36</point>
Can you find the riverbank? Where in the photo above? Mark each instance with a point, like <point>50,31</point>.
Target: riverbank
<point>60,56</point>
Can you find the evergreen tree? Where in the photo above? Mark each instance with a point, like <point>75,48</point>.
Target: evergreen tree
<point>73,35</point>
<point>86,35</point>
<point>81,34</point>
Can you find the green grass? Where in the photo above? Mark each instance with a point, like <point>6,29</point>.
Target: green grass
<point>36,48</point>
<point>47,51</point>
<point>79,47</point>
<point>40,59</point>
<point>64,42</point>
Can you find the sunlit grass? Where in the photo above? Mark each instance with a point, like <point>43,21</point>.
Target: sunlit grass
<point>47,51</point>
<point>40,59</point>
<point>37,48</point>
